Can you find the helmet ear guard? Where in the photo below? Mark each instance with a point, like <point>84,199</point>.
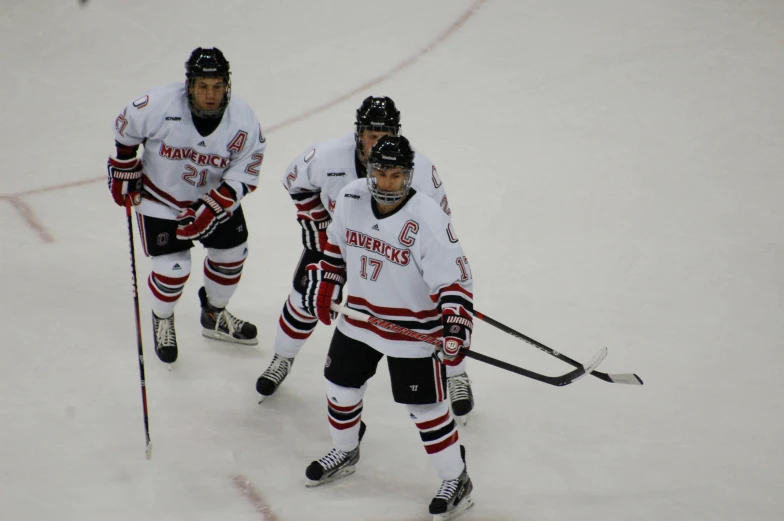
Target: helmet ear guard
<point>208,63</point>
<point>390,152</point>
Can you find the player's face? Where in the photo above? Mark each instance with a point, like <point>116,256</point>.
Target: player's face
<point>369,138</point>
<point>390,179</point>
<point>208,93</point>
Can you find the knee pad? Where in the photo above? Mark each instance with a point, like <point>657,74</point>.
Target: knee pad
<point>427,412</point>
<point>229,255</point>
<point>174,265</point>
<point>167,280</point>
<point>344,396</point>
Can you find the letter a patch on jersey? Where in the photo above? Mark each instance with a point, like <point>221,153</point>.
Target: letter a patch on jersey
<point>238,142</point>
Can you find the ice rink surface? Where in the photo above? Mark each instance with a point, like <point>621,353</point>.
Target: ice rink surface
<point>615,173</point>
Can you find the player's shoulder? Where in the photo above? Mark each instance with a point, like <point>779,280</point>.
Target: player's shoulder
<point>426,209</point>
<point>240,111</point>
<point>426,179</point>
<point>422,162</point>
<point>329,152</point>
<point>160,99</point>
<point>356,190</point>
<point>351,197</point>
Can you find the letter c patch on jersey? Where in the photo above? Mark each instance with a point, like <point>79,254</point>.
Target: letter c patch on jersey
<point>410,228</point>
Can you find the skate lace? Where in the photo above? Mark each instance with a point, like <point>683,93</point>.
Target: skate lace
<point>448,489</point>
<point>278,369</point>
<point>333,459</point>
<point>459,387</point>
<point>232,323</point>
<point>164,332</point>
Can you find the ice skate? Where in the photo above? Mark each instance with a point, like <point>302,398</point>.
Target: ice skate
<point>273,376</point>
<point>335,465</point>
<point>454,496</point>
<point>219,324</point>
<point>165,338</point>
<point>460,396</point>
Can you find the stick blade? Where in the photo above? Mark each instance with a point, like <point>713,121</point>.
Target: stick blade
<point>148,451</point>
<point>625,378</point>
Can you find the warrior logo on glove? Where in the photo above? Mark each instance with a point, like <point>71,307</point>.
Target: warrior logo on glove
<point>125,180</point>
<point>457,338</point>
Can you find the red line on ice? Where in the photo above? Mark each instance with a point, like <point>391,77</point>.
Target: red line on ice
<point>29,217</point>
<point>260,505</point>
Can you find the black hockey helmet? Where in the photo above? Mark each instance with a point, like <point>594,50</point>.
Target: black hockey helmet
<point>376,113</point>
<point>208,63</point>
<point>390,152</point>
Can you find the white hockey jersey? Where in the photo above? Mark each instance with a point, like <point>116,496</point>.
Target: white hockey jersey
<point>325,168</point>
<point>403,267</point>
<point>180,164</point>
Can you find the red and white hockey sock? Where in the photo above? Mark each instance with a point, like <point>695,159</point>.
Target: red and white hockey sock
<point>294,327</point>
<point>344,410</point>
<point>222,272</point>
<point>454,370</point>
<point>439,434</point>
<point>167,280</point>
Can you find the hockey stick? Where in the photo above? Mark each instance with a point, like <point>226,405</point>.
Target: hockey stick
<point>624,378</point>
<point>148,449</point>
<point>559,381</point>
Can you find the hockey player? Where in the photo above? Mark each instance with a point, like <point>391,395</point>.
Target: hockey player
<point>401,260</point>
<point>202,149</point>
<point>314,180</point>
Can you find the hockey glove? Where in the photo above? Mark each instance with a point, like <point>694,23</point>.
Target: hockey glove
<point>314,233</point>
<point>457,337</point>
<point>125,180</point>
<point>325,284</point>
<point>201,218</point>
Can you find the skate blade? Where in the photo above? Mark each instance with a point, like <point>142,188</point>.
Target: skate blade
<point>462,420</point>
<point>342,474</point>
<point>217,335</point>
<point>464,505</point>
<point>261,400</point>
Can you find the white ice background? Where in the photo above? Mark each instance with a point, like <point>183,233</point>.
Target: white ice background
<point>615,170</point>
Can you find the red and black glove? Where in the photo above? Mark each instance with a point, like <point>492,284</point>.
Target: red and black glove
<point>125,180</point>
<point>201,218</point>
<point>325,284</point>
<point>457,337</point>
